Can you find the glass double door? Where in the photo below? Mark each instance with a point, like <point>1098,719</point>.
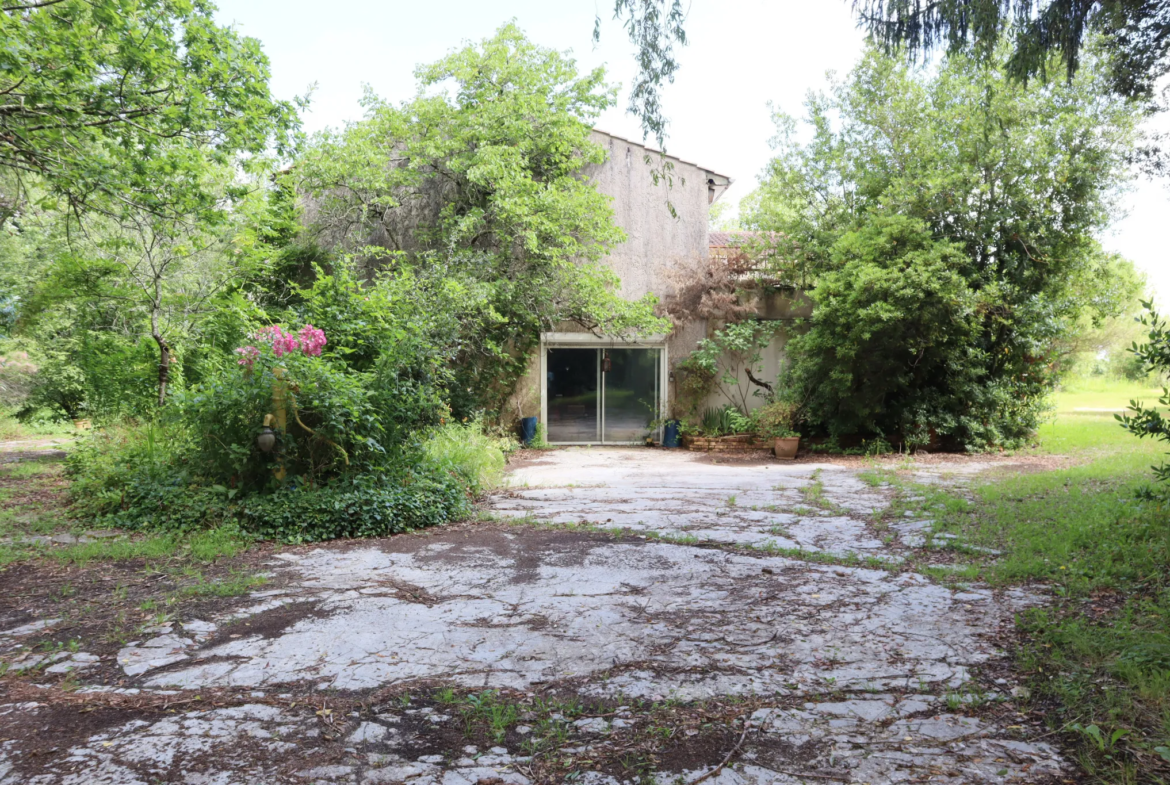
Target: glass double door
<point>602,395</point>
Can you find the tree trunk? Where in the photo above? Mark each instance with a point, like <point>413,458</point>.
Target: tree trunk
<point>164,348</point>
<point>164,368</point>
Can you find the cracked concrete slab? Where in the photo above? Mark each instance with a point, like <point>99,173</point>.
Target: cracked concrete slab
<point>814,507</point>
<point>856,669</point>
<point>513,610</point>
<point>872,738</point>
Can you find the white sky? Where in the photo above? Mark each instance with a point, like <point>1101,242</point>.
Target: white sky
<point>742,54</point>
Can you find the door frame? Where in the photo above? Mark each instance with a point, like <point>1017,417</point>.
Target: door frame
<point>591,341</point>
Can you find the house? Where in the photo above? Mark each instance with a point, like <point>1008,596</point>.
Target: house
<point>602,389</point>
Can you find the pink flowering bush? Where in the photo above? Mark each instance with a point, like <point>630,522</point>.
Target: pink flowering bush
<point>350,425</point>
<point>312,340</point>
<point>308,340</point>
<point>248,355</point>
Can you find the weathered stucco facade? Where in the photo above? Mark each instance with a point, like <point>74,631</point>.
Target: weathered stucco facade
<point>665,222</point>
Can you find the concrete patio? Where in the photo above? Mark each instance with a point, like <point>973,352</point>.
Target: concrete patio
<point>844,673</point>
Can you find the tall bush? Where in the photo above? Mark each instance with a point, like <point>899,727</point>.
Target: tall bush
<point>945,218</point>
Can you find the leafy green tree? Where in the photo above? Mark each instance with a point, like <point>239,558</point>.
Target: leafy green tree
<point>892,348</point>
<point>1005,186</point>
<point>480,180</point>
<point>101,291</point>
<point>1154,356</point>
<point>654,27</point>
<point>168,274</point>
<point>125,100</point>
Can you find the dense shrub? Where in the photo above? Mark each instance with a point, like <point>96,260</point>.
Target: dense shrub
<point>330,422</point>
<point>104,462</point>
<point>892,347</point>
<point>945,220</point>
<point>360,506</point>
<point>363,441</point>
<point>137,478</point>
<point>144,477</point>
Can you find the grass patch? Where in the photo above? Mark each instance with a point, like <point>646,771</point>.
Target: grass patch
<point>1097,660</point>
<point>25,469</point>
<point>235,585</point>
<point>150,548</point>
<point>468,450</point>
<point>850,559</point>
<point>12,429</point>
<point>489,712</point>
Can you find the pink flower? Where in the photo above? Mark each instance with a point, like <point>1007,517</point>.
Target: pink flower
<point>282,343</point>
<point>248,355</point>
<point>312,339</point>
<point>309,340</point>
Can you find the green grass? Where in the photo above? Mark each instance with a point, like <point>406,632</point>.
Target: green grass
<point>1083,528</point>
<point>491,713</point>
<point>29,469</point>
<point>1083,419</point>
<point>470,451</point>
<point>12,429</point>
<point>237,584</point>
<point>1100,654</point>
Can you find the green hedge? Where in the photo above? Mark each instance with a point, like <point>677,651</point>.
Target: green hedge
<point>359,507</point>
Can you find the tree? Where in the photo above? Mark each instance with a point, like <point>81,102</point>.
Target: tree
<point>96,96</point>
<point>997,187</point>
<point>733,357</point>
<point>892,350</point>
<point>478,179</point>
<point>167,274</point>
<point>1134,34</point>
<point>1154,356</point>
<point>654,27</point>
<point>97,293</point>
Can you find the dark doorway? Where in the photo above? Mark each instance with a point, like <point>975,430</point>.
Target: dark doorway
<point>572,395</point>
<point>606,396</point>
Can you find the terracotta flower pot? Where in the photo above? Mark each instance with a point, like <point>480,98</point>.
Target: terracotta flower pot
<point>785,447</point>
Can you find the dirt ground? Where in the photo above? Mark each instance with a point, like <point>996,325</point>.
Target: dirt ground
<point>612,616</point>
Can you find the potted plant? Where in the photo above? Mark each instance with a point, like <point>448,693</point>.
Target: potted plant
<point>786,446</point>
<point>774,422</point>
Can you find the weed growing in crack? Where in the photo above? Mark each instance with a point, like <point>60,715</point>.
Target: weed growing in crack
<point>814,492</point>
<point>678,539</point>
<point>850,559</point>
<point>878,478</point>
<point>970,695</point>
<point>487,710</point>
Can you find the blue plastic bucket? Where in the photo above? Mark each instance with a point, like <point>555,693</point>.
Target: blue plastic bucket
<point>527,430</point>
<point>670,434</point>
